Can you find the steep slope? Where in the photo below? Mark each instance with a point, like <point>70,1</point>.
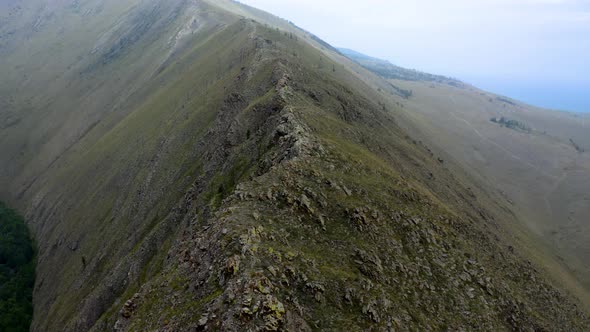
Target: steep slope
<point>540,163</point>
<point>206,165</point>
<point>544,170</point>
<point>101,161</point>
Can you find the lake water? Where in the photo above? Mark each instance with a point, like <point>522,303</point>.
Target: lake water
<point>565,96</point>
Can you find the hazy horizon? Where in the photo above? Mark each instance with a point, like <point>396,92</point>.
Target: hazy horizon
<point>532,50</point>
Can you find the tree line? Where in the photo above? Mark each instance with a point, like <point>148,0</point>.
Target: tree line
<point>512,124</point>
<point>17,272</point>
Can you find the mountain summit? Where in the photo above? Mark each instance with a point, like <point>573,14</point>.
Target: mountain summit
<point>203,165</point>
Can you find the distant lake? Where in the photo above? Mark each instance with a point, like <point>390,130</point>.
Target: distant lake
<point>565,96</point>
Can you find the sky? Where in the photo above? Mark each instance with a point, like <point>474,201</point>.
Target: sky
<point>537,51</point>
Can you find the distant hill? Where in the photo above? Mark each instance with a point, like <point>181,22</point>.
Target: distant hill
<point>388,70</point>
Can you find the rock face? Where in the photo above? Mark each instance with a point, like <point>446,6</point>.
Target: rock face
<point>252,181</point>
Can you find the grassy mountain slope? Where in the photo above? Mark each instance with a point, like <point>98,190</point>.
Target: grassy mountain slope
<point>540,171</point>
<point>116,148</point>
<point>544,170</point>
<point>200,164</point>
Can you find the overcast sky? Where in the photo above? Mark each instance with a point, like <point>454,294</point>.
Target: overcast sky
<point>496,44</point>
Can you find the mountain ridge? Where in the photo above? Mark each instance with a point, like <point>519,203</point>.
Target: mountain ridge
<point>252,179</point>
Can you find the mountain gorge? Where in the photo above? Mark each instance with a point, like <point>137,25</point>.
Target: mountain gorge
<point>202,165</point>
